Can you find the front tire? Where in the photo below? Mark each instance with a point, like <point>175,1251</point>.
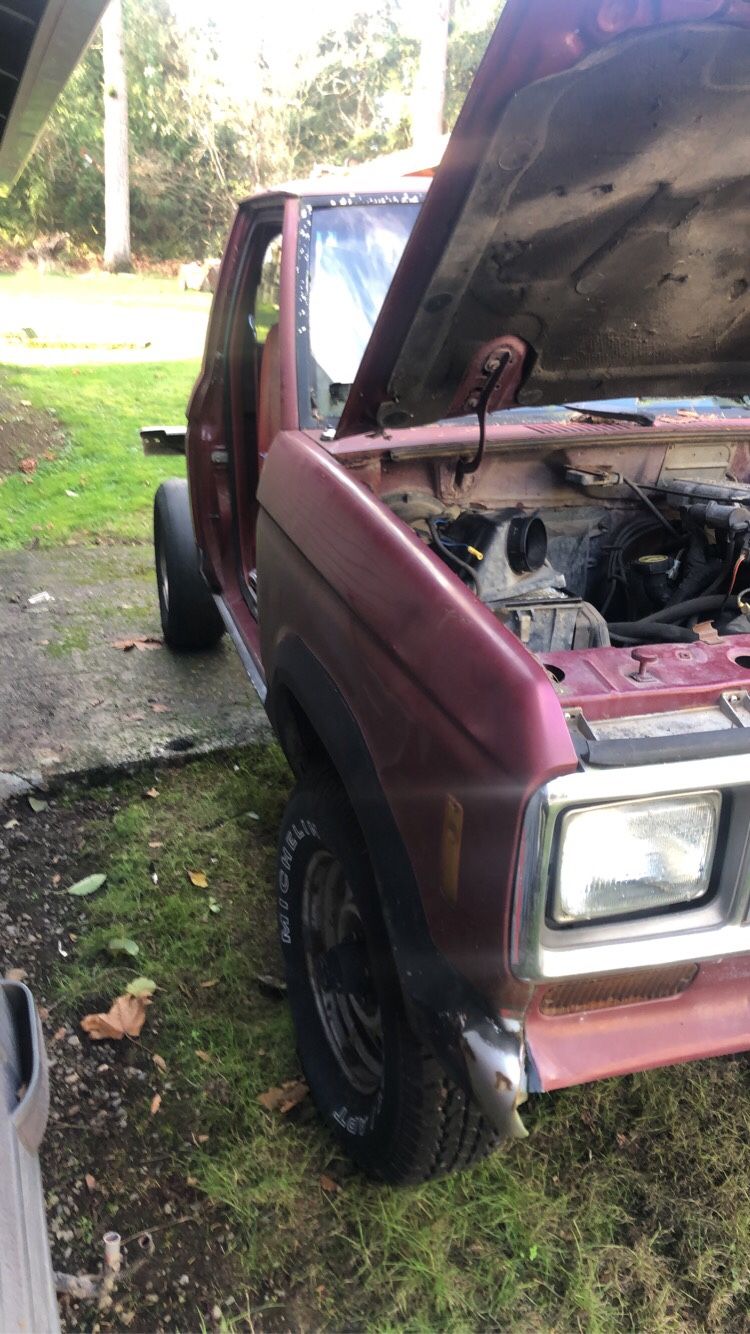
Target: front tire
<point>189,616</point>
<point>381,1093</point>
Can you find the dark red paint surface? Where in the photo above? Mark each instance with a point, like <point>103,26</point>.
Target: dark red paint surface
<point>612,682</point>
<point>710,1018</point>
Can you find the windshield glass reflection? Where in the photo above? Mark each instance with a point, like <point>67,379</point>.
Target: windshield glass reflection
<point>355,251</point>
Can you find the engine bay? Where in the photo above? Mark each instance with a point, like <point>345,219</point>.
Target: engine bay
<point>621,563</point>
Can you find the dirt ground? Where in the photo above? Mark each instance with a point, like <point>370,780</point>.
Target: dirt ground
<point>27,434</point>
<point>106,1161</point>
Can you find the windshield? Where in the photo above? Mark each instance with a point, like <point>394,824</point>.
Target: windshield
<point>354,252</point>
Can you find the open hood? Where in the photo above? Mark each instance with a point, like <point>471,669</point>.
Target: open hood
<point>586,233</point>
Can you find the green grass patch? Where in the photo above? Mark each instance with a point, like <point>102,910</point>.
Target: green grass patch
<point>628,1208</point>
<point>100,405</point>
<point>101,409</point>
<point>76,637</point>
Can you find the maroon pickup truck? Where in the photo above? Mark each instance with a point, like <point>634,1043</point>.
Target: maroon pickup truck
<point>476,513</point>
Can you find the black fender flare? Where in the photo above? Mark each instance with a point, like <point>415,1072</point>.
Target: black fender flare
<point>313,722</point>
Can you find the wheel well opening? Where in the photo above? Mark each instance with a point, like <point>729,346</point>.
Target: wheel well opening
<point>298,738</point>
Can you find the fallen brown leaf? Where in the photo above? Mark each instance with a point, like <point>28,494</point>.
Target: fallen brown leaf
<point>328,1184</point>
<point>203,1055</point>
<point>161,708</point>
<point>125,1019</point>
<point>152,792</point>
<point>156,844</point>
<point>191,1181</point>
<point>27,465</point>
<point>285,1097</point>
<point>91,1181</point>
<point>210,982</point>
<point>159,1061</point>
<point>59,1034</point>
<point>141,642</point>
<point>155,1103</point>
<point>56,879</point>
<point>198,878</point>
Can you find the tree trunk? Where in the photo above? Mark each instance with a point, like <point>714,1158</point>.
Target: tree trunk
<point>428,97</point>
<point>116,172</point>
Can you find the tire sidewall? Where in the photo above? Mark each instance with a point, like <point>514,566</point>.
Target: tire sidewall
<point>366,1124</point>
<point>161,553</point>
<point>189,619</point>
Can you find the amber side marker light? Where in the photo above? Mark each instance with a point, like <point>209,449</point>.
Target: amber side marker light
<point>450,848</point>
<point>601,993</point>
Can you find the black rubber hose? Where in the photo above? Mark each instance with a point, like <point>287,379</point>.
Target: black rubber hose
<point>636,632</point>
<point>661,625</point>
<point>698,570</point>
<point>693,607</point>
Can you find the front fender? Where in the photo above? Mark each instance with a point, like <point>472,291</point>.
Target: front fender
<point>476,1048</point>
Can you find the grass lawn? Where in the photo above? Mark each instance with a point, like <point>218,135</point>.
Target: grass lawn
<point>628,1208</point>
<point>83,359</point>
<point>75,347</point>
<point>101,409</point>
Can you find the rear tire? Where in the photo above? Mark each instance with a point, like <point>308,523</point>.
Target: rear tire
<point>378,1089</point>
<point>189,617</point>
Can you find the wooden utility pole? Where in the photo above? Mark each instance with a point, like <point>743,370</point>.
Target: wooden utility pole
<point>116,169</point>
<point>428,97</point>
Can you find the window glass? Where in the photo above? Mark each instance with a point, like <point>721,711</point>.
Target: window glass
<point>355,250</point>
<point>266,310</point>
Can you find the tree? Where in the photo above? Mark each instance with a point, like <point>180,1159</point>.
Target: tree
<point>197,146</point>
<point>466,46</point>
<point>116,153</point>
<point>351,104</point>
<point>428,95</point>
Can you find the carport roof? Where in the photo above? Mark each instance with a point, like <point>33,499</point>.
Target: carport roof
<point>41,42</point>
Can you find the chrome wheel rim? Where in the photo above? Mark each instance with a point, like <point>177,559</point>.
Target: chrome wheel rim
<point>339,971</point>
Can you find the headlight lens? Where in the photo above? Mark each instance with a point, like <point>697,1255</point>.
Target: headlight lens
<point>635,856</point>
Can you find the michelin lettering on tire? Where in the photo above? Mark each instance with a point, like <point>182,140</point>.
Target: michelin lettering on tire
<point>292,839</point>
<point>357,1124</point>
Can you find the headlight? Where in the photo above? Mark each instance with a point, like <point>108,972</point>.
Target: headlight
<point>635,856</point>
